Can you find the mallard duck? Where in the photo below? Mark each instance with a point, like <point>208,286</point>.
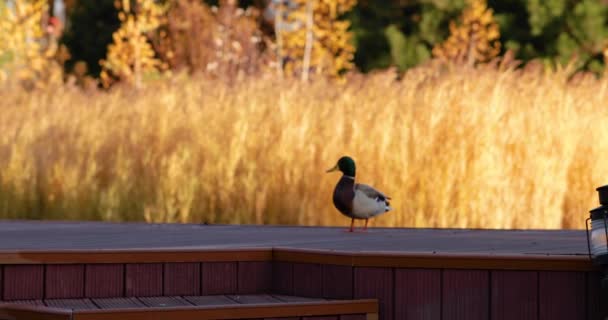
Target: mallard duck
<point>357,200</point>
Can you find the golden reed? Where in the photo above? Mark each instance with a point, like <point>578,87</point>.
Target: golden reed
<point>482,147</point>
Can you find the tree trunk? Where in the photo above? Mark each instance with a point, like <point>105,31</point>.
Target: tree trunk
<point>309,40</point>
<point>278,21</point>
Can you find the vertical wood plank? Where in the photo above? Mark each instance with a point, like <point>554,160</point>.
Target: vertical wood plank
<point>218,278</point>
<point>309,280</point>
<point>104,280</point>
<point>1,283</point>
<point>376,283</point>
<point>597,302</point>
<point>418,294</point>
<point>181,279</point>
<point>465,294</point>
<point>23,282</point>
<point>254,277</point>
<point>337,282</point>
<point>64,281</point>
<point>282,277</point>
<point>514,295</point>
<point>144,279</point>
<point>562,295</point>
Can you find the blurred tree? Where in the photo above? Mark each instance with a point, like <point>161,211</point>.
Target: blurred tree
<point>28,44</point>
<point>224,41</point>
<point>399,33</point>
<point>475,39</point>
<point>89,32</point>
<point>313,38</point>
<point>555,30</point>
<point>131,56</point>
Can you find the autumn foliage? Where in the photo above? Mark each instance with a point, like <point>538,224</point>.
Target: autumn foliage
<point>474,39</point>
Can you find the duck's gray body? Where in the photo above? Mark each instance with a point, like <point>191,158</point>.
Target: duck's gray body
<point>359,201</point>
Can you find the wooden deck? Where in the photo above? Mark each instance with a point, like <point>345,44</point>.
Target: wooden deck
<point>191,307</point>
<point>413,273</point>
<point>93,235</point>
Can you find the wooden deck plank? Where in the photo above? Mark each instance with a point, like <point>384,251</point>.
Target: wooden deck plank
<point>163,302</point>
<point>29,302</point>
<point>213,300</point>
<point>307,280</point>
<point>514,295</point>
<point>562,295</point>
<point>254,277</point>
<point>254,299</point>
<point>64,281</point>
<point>465,294</point>
<point>182,278</point>
<point>219,278</point>
<point>33,235</point>
<point>353,317</point>
<point>118,303</point>
<point>104,280</point>
<point>418,294</point>
<point>238,311</point>
<point>337,281</point>
<point>23,282</point>
<point>282,280</point>
<point>288,298</point>
<point>73,304</point>
<point>28,312</point>
<point>144,279</point>
<point>376,283</point>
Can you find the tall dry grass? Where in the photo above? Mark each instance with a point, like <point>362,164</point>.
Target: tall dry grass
<point>457,148</point>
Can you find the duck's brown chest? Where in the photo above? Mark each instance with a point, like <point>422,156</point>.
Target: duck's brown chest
<point>344,193</point>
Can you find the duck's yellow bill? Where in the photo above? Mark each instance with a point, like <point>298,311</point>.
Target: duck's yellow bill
<point>333,169</point>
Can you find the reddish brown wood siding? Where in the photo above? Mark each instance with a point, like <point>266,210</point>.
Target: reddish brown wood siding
<point>181,279</point>
<point>104,280</point>
<point>254,277</point>
<point>514,295</point>
<point>282,277</point>
<point>144,279</point>
<point>353,317</point>
<point>337,282</point>
<point>219,278</point>
<point>64,281</point>
<point>597,304</point>
<point>562,295</point>
<point>418,294</point>
<point>376,283</point>
<point>307,280</point>
<point>23,282</point>
<point>465,294</point>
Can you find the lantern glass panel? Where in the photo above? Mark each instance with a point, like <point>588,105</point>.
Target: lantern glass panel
<point>598,238</point>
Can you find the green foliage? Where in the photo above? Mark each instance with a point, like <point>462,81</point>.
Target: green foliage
<point>554,30</point>
<point>390,34</point>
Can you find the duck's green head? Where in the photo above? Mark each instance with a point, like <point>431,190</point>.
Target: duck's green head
<point>346,165</point>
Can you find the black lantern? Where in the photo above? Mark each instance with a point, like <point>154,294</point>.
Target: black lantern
<point>597,237</point>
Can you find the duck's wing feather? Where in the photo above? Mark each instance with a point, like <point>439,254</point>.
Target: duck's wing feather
<point>371,192</point>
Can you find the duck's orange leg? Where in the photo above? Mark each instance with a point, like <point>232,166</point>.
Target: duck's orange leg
<point>352,225</point>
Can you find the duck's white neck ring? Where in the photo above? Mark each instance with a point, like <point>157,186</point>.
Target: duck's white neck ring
<point>349,177</point>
